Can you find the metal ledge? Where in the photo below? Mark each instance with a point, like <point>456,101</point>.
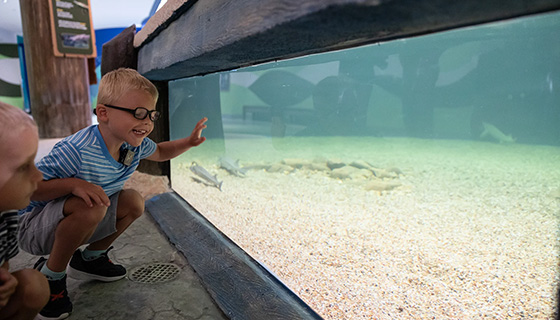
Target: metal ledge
<point>241,287</point>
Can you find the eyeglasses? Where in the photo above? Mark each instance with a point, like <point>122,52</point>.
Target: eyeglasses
<point>138,113</point>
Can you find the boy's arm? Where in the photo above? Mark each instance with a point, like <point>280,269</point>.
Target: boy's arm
<point>170,149</point>
<point>51,189</point>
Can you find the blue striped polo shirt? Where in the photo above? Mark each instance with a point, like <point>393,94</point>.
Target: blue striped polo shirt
<point>84,155</point>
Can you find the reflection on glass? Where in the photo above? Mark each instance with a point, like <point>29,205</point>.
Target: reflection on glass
<point>411,179</point>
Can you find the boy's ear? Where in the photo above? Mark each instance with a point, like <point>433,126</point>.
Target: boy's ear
<point>101,112</point>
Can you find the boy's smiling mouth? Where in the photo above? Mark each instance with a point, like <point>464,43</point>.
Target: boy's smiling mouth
<point>139,132</point>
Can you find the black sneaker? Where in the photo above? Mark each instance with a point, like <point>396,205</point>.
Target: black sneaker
<point>102,268</point>
<point>59,305</point>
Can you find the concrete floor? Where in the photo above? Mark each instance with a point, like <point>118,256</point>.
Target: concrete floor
<point>182,297</point>
<point>142,244</point>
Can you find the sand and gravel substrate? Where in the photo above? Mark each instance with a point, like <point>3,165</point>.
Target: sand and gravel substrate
<point>392,228</point>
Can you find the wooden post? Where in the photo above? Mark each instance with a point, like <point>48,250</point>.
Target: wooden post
<point>58,87</point>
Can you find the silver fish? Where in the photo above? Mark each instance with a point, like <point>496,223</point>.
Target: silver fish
<point>206,176</point>
<point>232,166</point>
<point>495,133</point>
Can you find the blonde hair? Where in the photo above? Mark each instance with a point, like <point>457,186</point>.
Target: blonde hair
<point>117,82</point>
<point>12,122</point>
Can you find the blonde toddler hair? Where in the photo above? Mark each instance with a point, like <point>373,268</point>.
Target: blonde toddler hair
<point>117,82</point>
<point>12,122</point>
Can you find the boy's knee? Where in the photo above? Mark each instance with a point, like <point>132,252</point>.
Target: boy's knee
<point>93,216</point>
<point>131,201</point>
<point>34,288</point>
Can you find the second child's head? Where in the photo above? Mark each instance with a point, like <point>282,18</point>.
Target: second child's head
<point>126,104</point>
<point>19,139</point>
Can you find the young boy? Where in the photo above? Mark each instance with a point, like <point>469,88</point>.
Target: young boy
<point>81,201</point>
<point>22,293</point>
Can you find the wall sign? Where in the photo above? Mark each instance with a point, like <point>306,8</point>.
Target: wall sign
<point>72,31</point>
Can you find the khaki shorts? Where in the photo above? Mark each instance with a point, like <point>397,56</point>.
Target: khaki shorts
<point>37,227</point>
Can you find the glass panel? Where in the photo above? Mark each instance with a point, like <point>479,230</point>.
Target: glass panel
<point>417,178</point>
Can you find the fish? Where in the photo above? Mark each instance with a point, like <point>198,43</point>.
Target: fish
<point>232,167</point>
<point>496,134</point>
<point>206,176</point>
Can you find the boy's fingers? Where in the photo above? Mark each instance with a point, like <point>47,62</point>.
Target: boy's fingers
<point>92,199</point>
<point>85,197</point>
<point>4,275</point>
<point>12,282</point>
<point>100,197</point>
<point>88,201</point>
<point>101,200</point>
<point>105,199</point>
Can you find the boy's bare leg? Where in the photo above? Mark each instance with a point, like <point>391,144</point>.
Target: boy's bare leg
<point>80,224</point>
<point>130,207</point>
<point>31,295</point>
<point>74,230</point>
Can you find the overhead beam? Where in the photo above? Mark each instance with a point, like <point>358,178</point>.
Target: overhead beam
<point>216,35</point>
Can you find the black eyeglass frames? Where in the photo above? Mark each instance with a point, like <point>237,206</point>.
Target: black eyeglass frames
<point>138,113</point>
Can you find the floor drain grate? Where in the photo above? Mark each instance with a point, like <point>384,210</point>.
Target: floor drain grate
<point>154,273</point>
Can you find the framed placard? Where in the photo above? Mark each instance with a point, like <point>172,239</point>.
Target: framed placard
<point>72,30</point>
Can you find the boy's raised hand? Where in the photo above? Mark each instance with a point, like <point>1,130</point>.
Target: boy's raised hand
<point>167,150</point>
<point>195,138</point>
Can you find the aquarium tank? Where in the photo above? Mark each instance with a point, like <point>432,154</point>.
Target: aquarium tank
<point>410,179</point>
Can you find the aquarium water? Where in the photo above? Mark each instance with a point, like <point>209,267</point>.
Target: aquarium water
<point>410,179</point>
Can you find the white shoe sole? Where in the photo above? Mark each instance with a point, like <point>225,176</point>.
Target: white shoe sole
<point>80,275</point>
<point>60,317</point>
